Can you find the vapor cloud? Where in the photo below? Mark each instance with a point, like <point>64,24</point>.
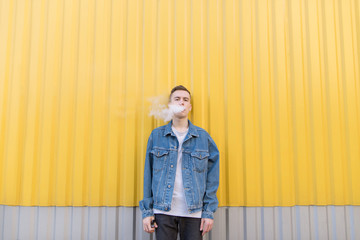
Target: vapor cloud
<point>160,108</point>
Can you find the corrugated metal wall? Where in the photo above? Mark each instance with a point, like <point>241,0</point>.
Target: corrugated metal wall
<point>276,83</point>
<point>231,223</point>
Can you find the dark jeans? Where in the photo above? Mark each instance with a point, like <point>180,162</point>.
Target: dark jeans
<point>169,226</point>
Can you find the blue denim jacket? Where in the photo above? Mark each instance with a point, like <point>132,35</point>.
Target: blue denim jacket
<point>200,171</point>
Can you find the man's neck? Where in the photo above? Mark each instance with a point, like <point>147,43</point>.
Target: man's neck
<point>180,124</point>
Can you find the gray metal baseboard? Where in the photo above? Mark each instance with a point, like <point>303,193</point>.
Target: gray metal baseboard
<point>299,222</point>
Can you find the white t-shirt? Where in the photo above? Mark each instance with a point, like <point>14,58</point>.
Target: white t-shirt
<point>178,203</point>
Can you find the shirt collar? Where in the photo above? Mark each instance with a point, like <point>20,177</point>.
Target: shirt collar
<point>192,129</point>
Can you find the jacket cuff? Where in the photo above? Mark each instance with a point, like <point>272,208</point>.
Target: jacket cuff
<point>147,213</point>
<point>207,214</point>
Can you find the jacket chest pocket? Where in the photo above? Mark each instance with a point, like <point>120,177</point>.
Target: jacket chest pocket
<point>160,157</point>
<point>199,160</point>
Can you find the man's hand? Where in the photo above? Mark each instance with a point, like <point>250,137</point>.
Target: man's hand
<point>206,225</point>
<point>147,224</point>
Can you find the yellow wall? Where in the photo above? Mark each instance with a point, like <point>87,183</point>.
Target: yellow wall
<point>276,83</point>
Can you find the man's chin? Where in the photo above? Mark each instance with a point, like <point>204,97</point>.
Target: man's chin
<point>180,115</point>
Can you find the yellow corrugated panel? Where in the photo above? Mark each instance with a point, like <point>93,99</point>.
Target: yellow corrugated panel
<point>276,83</point>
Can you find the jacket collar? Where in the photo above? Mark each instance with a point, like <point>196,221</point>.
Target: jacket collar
<point>192,129</point>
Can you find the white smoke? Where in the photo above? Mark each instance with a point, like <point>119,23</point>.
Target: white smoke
<point>160,108</point>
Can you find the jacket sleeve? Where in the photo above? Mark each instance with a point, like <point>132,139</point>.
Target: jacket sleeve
<point>210,201</point>
<point>146,205</point>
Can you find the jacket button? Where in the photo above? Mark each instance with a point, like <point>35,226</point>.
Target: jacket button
<point>169,186</point>
<point>172,165</point>
<point>166,208</point>
<point>175,147</point>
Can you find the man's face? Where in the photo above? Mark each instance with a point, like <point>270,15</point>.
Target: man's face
<point>182,98</point>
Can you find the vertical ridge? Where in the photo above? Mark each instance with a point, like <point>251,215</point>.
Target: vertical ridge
<point>226,110</point>
<point>328,108</point>
<point>26,112</point>
<point>7,109</point>
<point>109,102</point>
<point>57,141</point>
<point>343,79</point>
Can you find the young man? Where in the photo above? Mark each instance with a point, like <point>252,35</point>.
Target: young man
<point>181,177</point>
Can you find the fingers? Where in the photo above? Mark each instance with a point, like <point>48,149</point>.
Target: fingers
<point>202,224</point>
<point>207,226</point>
<point>205,229</point>
<point>149,229</point>
<point>147,225</point>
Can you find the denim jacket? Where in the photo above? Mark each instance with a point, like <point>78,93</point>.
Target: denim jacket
<point>200,171</point>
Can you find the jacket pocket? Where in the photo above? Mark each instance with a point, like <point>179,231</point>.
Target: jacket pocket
<point>160,157</point>
<point>199,159</point>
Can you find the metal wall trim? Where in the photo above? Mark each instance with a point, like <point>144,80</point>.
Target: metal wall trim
<point>298,222</point>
